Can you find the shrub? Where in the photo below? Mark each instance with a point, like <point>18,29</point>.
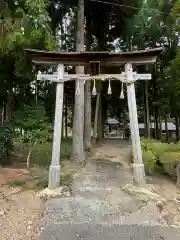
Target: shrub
<point>170,161</point>
<point>34,125</point>
<point>6,143</point>
<point>149,162</point>
<point>147,143</point>
<point>158,148</point>
<point>161,157</point>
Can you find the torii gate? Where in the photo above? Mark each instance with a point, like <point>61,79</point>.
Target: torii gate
<point>106,59</point>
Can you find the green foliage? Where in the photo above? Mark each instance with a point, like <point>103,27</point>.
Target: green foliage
<point>157,24</point>
<point>17,182</point>
<point>170,161</point>
<point>40,175</point>
<point>149,162</point>
<point>146,143</point>
<point>170,157</point>
<point>42,152</point>
<point>24,24</point>
<point>158,148</point>
<point>176,16</point>
<point>161,157</point>
<point>6,143</point>
<point>35,126</point>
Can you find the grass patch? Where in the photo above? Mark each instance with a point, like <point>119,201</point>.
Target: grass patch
<point>40,177</point>
<point>17,182</point>
<point>42,153</point>
<point>39,164</point>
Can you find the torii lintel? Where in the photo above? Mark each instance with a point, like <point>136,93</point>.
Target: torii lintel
<point>140,57</point>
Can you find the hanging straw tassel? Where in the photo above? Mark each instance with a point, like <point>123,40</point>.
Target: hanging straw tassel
<point>122,91</point>
<point>109,88</point>
<point>78,88</point>
<point>94,93</point>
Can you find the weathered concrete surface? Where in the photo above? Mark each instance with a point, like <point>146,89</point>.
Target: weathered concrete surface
<point>101,209</point>
<point>142,193</point>
<point>113,232</point>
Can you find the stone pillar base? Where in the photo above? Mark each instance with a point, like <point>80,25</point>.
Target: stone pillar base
<point>54,177</point>
<point>139,174</point>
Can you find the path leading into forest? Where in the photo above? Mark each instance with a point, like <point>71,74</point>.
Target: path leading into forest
<point>100,208</point>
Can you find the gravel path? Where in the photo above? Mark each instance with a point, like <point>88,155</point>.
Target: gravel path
<point>100,209</point>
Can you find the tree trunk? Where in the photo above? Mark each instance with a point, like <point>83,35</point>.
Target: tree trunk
<point>9,106</point>
<point>37,91</point>
<point>3,112</point>
<point>78,154</point>
<point>62,126</point>
<point>177,128</point>
<point>87,115</point>
<point>104,114</point>
<point>29,154</point>
<point>160,124</point>
<point>154,127</point>
<point>66,117</point>
<point>96,118</point>
<point>156,131</point>
<point>147,111</point>
<point>100,119</point>
<point>87,99</point>
<point>166,127</point>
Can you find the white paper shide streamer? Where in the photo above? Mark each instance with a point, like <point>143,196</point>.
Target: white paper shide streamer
<point>109,88</point>
<point>94,92</point>
<point>122,91</point>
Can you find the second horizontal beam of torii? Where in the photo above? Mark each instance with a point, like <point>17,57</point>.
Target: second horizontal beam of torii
<point>67,77</point>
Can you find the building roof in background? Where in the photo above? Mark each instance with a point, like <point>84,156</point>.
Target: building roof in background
<point>112,121</point>
<point>171,126</point>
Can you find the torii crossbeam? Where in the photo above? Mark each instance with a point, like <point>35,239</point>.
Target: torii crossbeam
<point>67,77</point>
<point>105,59</point>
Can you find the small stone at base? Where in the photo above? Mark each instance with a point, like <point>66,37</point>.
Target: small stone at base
<point>54,193</point>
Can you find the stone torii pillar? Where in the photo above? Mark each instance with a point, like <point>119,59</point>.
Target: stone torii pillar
<point>54,169</point>
<point>138,166</point>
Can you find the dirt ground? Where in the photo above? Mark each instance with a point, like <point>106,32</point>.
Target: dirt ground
<point>20,209</point>
<point>167,189</point>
